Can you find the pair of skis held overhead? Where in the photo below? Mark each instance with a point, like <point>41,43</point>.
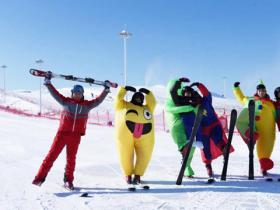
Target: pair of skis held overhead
<point>233,117</point>
<point>41,73</point>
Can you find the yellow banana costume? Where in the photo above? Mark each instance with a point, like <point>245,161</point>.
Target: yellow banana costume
<point>265,117</point>
<point>134,131</point>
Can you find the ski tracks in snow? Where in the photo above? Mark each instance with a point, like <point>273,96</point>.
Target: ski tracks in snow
<point>252,201</point>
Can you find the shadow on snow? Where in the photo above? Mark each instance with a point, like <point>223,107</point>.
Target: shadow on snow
<point>233,184</point>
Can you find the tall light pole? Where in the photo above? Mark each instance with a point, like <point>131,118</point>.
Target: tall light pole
<point>4,82</point>
<point>125,35</point>
<point>224,83</point>
<point>40,62</point>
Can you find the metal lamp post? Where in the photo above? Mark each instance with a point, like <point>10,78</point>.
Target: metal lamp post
<point>125,35</point>
<point>4,82</point>
<point>40,62</point>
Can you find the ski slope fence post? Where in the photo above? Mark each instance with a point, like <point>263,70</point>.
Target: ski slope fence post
<point>97,116</point>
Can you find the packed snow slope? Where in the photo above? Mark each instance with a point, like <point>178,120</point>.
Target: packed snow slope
<point>24,142</point>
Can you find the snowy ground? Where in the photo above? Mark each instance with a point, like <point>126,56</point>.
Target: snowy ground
<point>25,141</point>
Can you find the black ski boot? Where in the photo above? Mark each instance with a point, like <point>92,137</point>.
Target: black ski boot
<point>130,186</point>
<point>67,184</point>
<point>210,173</point>
<point>264,173</point>
<point>128,179</point>
<point>136,179</point>
<point>266,176</point>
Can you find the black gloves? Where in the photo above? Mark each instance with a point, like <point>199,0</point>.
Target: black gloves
<point>133,89</point>
<point>236,84</point>
<point>89,80</point>
<point>144,90</point>
<point>48,75</point>
<point>184,79</point>
<point>130,88</point>
<point>107,85</point>
<point>48,78</point>
<point>195,84</point>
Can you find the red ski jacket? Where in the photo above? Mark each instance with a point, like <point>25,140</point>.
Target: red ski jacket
<point>75,114</point>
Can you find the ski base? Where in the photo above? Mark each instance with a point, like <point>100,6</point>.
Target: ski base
<point>85,195</point>
<point>134,187</point>
<point>143,186</point>
<point>271,178</point>
<point>131,188</point>
<point>268,179</point>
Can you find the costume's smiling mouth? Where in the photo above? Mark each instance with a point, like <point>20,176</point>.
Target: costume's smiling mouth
<point>138,129</point>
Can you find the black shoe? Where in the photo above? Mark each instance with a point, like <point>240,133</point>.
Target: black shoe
<point>264,173</point>
<point>136,179</point>
<point>128,179</point>
<point>69,185</point>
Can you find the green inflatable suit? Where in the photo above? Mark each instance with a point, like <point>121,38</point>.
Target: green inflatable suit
<point>176,126</point>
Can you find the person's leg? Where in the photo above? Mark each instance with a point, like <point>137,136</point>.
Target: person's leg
<point>125,145</point>
<point>56,148</point>
<point>206,149</point>
<point>209,169</point>
<point>143,148</point>
<point>73,142</point>
<point>189,171</point>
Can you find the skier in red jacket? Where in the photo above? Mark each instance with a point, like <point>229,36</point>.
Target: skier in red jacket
<point>72,126</point>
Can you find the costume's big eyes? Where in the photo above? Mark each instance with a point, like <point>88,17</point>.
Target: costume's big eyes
<point>147,114</point>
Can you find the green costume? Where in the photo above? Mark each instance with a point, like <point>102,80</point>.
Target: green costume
<point>176,125</point>
<point>242,122</point>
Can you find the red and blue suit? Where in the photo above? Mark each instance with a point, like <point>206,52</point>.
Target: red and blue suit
<point>72,126</point>
<point>211,132</point>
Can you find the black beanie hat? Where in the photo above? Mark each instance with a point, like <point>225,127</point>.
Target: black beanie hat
<point>260,86</point>
<point>187,89</point>
<point>276,91</point>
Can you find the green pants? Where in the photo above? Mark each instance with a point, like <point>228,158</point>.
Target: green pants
<point>189,171</point>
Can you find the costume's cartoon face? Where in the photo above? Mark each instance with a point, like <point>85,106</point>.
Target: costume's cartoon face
<point>139,120</point>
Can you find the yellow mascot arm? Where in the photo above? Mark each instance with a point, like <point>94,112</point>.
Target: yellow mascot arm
<point>151,101</point>
<point>240,96</point>
<point>119,101</point>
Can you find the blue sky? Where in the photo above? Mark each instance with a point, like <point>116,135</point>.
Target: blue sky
<point>204,40</point>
